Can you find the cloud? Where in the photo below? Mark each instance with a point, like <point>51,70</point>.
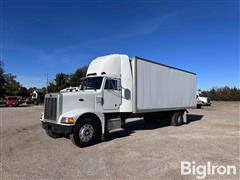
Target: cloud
<point>145,27</point>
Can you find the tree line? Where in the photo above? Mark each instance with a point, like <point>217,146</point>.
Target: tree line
<point>11,87</point>
<point>62,80</point>
<point>223,94</point>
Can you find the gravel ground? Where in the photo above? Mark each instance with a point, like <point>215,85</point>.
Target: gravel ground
<point>140,152</point>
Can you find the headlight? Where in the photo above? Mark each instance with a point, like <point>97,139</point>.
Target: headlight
<point>67,120</point>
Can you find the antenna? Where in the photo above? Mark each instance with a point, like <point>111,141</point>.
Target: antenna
<point>46,83</point>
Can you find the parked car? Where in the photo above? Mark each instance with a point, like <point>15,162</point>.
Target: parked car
<point>202,101</point>
<point>12,101</point>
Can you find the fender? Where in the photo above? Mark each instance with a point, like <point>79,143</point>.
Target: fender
<point>77,113</point>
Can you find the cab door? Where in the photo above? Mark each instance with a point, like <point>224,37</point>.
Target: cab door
<point>112,96</point>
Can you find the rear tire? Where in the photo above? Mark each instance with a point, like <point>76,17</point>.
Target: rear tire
<point>177,119</point>
<point>86,133</point>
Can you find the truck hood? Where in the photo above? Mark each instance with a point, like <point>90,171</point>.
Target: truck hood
<point>79,100</point>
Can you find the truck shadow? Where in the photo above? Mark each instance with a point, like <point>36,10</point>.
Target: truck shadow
<point>133,126</point>
<point>193,118</point>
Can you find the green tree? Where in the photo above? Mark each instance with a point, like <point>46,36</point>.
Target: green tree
<point>62,81</point>
<point>235,94</point>
<point>52,87</point>
<point>11,86</point>
<point>23,92</point>
<point>212,94</point>
<point>2,80</point>
<point>75,77</point>
<point>223,94</point>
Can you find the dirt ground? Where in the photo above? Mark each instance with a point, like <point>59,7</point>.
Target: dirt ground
<point>142,151</point>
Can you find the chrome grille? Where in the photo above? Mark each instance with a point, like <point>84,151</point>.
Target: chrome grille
<point>50,108</point>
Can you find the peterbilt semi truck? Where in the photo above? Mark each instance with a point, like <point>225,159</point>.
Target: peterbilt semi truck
<point>115,88</point>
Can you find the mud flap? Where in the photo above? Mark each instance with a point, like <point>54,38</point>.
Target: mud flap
<point>185,117</point>
<point>102,137</point>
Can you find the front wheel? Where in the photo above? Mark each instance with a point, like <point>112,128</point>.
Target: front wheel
<point>86,133</point>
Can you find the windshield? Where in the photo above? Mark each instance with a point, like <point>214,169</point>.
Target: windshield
<point>91,83</point>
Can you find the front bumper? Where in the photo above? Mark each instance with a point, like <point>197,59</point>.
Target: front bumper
<point>56,128</point>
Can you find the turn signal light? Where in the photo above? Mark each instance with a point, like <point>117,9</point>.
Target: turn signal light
<point>69,120</point>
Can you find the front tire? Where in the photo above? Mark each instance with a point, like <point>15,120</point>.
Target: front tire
<point>86,133</point>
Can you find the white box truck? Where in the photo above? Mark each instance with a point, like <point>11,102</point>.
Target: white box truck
<point>115,88</point>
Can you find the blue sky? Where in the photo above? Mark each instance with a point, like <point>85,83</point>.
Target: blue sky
<point>39,37</point>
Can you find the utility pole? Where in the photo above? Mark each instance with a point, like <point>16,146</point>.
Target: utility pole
<point>46,83</point>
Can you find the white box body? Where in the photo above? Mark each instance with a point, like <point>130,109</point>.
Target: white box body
<point>158,87</point>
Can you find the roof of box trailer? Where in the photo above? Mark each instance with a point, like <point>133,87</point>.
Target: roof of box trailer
<point>137,57</point>
<point>164,65</point>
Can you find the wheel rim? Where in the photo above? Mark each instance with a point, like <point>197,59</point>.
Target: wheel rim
<point>86,132</point>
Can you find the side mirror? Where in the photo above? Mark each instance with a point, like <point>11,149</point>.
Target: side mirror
<point>127,94</point>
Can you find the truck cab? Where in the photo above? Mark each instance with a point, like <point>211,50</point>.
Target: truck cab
<point>102,94</point>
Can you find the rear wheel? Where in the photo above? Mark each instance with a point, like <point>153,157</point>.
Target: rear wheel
<point>177,119</point>
<point>86,133</point>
